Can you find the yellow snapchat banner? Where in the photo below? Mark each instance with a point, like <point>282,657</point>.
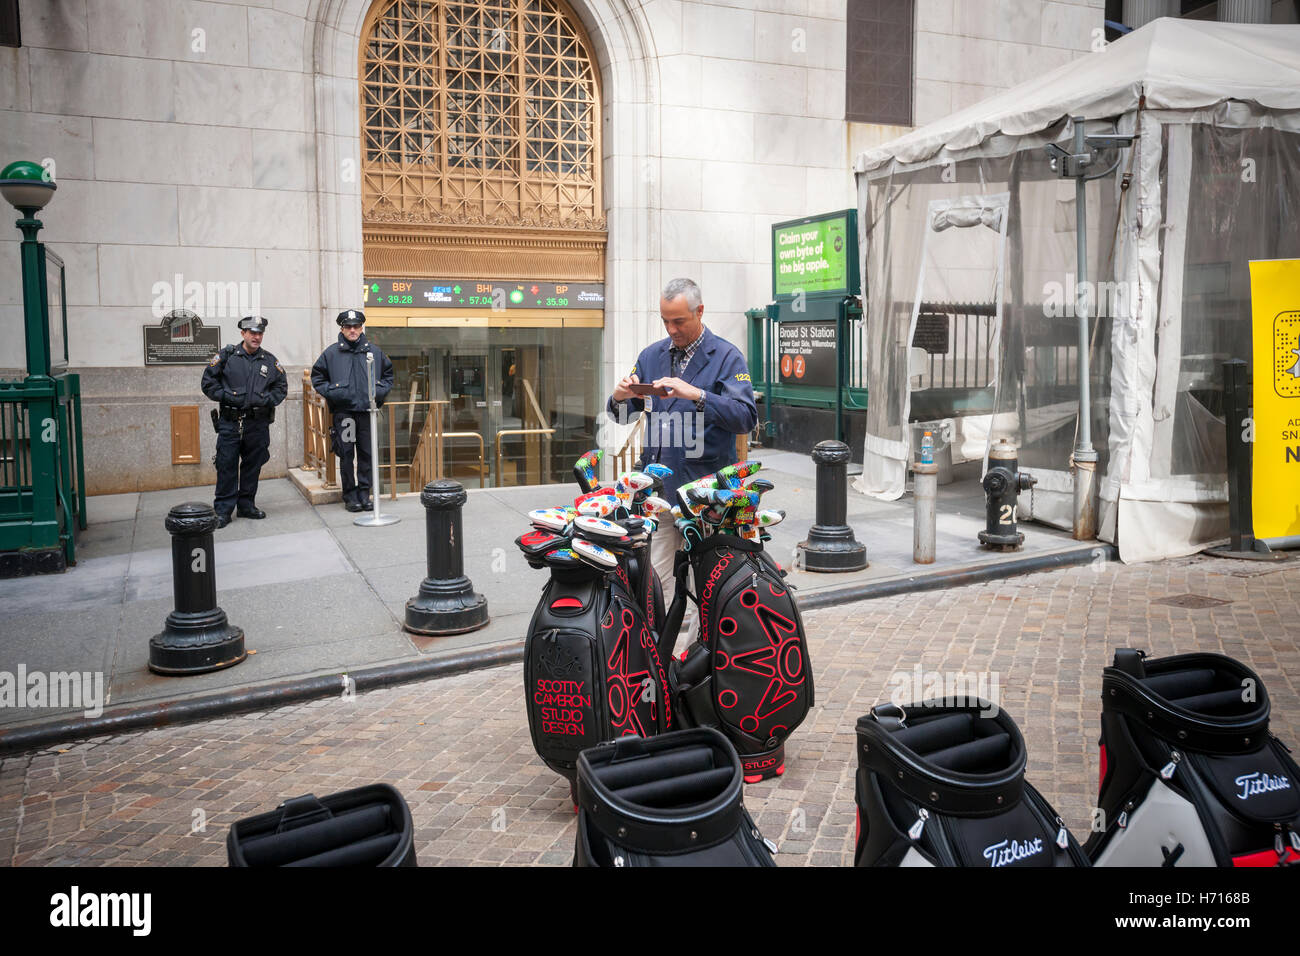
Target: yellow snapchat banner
<point>1275,308</point>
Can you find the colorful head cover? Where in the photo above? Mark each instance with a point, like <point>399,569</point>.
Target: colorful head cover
<point>584,469</point>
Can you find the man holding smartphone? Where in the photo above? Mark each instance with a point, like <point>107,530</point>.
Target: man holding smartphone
<point>699,399</point>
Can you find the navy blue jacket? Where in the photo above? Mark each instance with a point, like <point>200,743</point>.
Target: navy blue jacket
<point>237,379</point>
<point>339,375</point>
<point>672,434</point>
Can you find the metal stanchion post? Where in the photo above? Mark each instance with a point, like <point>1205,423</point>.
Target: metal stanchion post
<point>375,519</point>
<point>925,492</point>
<point>197,637</point>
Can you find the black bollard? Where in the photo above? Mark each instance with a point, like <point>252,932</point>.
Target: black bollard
<point>831,545</point>
<point>447,602</point>
<point>196,637</point>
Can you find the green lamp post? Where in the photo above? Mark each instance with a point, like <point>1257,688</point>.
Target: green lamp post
<point>27,187</point>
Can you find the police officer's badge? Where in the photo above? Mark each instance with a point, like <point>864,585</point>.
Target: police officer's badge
<point>263,370</point>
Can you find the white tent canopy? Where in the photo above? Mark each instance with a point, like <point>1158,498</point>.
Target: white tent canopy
<point>1211,182</point>
<point>1175,64</point>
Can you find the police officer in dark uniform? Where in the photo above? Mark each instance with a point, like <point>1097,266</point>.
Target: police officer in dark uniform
<point>248,382</point>
<point>341,377</point>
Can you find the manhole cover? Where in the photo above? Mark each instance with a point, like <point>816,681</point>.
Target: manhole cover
<point>1191,600</point>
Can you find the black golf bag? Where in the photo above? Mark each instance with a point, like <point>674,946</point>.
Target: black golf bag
<point>748,674</point>
<point>672,800</point>
<point>367,826</point>
<point>945,786</point>
<point>1190,775</point>
<point>592,670</point>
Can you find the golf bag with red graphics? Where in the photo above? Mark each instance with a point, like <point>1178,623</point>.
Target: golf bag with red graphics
<point>592,670</point>
<point>1190,775</point>
<point>945,786</point>
<point>748,674</point>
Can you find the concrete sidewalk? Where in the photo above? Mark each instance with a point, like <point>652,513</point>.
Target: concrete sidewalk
<point>318,596</point>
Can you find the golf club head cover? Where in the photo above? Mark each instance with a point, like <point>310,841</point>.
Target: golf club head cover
<point>748,674</point>
<point>592,670</point>
<point>671,800</point>
<point>1190,774</point>
<point>941,785</point>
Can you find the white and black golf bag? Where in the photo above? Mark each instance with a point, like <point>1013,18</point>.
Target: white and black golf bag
<point>1190,775</point>
<point>945,786</point>
<point>672,800</point>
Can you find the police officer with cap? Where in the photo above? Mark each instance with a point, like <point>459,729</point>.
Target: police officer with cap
<point>341,378</point>
<point>248,383</point>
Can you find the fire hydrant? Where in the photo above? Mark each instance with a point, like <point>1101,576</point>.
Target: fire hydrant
<point>1003,482</point>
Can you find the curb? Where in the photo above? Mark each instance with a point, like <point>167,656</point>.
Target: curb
<point>956,577</point>
<point>165,713</point>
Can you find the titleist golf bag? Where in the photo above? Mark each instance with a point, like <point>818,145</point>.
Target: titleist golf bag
<point>592,669</point>
<point>748,674</point>
<point>672,800</point>
<point>945,786</point>
<point>1190,775</point>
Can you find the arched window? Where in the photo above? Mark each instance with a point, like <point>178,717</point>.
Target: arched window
<point>482,115</point>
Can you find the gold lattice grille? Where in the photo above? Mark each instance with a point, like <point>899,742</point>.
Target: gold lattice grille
<point>479,112</point>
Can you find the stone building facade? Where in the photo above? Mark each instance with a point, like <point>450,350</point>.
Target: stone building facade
<point>221,144</point>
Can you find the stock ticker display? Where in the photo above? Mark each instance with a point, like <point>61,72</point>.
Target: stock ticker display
<point>482,294</point>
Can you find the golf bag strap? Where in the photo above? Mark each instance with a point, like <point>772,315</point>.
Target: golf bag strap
<point>677,610</point>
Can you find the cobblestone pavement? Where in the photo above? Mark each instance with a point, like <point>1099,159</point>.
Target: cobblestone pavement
<point>458,748</point>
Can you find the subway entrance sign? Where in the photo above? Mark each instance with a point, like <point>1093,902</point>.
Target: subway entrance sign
<point>815,284</point>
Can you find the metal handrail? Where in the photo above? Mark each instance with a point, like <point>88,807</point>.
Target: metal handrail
<point>434,426</point>
<point>317,449</point>
<point>516,431</point>
<point>629,452</point>
<point>482,452</point>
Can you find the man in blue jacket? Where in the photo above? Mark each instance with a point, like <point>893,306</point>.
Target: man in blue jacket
<point>708,401</point>
<point>341,377</point>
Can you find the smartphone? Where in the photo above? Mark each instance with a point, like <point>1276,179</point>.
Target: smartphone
<point>638,388</point>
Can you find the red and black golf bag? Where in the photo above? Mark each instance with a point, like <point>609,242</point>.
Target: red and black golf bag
<point>1190,774</point>
<point>945,786</point>
<point>592,669</point>
<point>748,674</point>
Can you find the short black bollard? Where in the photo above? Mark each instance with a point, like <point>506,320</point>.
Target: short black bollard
<point>831,545</point>
<point>196,637</point>
<point>447,602</point>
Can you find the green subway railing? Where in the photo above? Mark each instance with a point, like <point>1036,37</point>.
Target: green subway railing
<point>42,472</point>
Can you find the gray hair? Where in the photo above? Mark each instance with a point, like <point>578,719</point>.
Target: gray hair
<point>686,287</point>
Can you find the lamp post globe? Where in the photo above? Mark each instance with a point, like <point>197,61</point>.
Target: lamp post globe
<point>26,186</point>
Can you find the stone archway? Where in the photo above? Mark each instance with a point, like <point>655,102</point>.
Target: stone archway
<point>624,50</point>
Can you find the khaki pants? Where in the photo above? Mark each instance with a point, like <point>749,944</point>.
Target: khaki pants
<point>665,544</point>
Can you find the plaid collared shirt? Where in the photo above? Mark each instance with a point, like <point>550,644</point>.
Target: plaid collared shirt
<point>682,357</point>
